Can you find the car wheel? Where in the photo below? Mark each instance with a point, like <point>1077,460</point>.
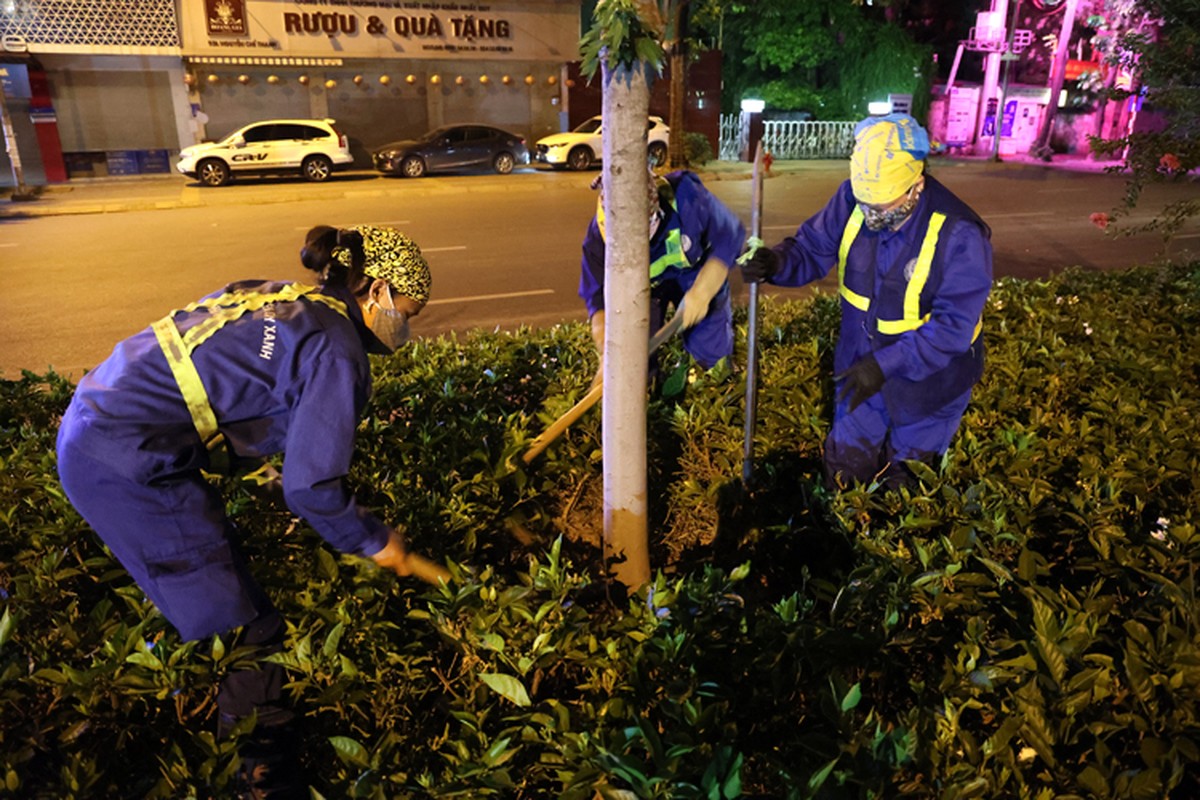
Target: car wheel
<point>503,163</point>
<point>657,154</point>
<point>213,172</point>
<point>316,168</point>
<point>412,167</point>
<point>579,158</point>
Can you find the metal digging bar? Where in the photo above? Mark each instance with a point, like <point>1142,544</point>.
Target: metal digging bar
<point>752,325</point>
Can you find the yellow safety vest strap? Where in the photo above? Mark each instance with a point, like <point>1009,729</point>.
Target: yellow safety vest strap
<point>187,378</point>
<point>226,308</point>
<point>853,226</point>
<point>231,305</point>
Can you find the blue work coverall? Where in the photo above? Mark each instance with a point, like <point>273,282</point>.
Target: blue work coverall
<point>291,376</point>
<point>912,298</point>
<point>696,226</point>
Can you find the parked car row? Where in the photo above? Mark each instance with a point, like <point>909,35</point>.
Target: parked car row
<point>315,148</point>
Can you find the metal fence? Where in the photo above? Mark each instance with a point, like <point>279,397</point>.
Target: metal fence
<point>789,139</point>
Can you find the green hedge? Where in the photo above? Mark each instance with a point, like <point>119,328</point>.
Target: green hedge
<point>1022,624</point>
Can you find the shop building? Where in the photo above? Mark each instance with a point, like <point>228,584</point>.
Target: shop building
<point>130,82</point>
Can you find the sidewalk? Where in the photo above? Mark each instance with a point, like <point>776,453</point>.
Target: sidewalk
<point>171,191</point>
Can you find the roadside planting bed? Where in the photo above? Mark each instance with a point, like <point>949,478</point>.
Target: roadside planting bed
<point>1022,624</point>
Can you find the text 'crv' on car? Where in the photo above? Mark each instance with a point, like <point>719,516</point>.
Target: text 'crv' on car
<point>311,148</point>
<point>452,147</point>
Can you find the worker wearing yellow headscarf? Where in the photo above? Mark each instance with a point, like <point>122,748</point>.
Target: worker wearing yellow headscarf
<point>915,269</point>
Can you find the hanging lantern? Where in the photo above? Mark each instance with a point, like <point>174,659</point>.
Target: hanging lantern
<point>272,79</point>
<point>506,80</point>
<point>529,80</point>
<point>410,79</point>
<point>385,79</point>
<point>329,84</point>
<point>435,79</point>
<point>243,79</point>
<point>552,80</point>
<point>303,80</point>
<point>485,80</point>
<point>213,79</point>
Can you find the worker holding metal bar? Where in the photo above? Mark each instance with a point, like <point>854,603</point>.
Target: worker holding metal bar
<point>694,241</point>
<point>256,369</point>
<point>915,269</point>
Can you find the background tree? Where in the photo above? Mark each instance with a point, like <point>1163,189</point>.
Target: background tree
<point>827,57</point>
<point>1160,39</point>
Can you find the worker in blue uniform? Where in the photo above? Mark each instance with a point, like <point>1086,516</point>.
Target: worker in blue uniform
<point>915,269</point>
<point>256,369</point>
<point>694,241</point>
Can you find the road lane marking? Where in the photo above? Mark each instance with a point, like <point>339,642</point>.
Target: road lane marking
<point>481,297</point>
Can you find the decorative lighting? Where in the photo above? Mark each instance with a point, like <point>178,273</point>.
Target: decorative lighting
<point>484,79</point>
<point>303,80</point>
<point>529,80</point>
<point>506,80</point>
<point>435,79</point>
<point>570,83</point>
<point>272,79</point>
<point>331,83</point>
<point>460,80</point>
<point>189,79</point>
<point>243,79</point>
<point>213,79</point>
<point>358,79</point>
<point>552,80</point>
<point>410,79</point>
<point>385,79</point>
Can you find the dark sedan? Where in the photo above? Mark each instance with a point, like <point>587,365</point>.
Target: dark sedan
<point>453,147</point>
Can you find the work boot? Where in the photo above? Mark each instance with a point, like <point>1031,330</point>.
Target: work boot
<point>270,768</point>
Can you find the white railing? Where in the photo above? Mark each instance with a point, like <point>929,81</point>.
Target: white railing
<point>789,139</point>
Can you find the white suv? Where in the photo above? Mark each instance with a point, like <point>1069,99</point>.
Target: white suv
<point>580,148</point>
<point>314,148</point>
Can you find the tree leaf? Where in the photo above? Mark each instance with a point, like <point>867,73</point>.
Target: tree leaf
<point>507,686</point>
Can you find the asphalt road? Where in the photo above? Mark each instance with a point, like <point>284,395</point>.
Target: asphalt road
<point>504,249</point>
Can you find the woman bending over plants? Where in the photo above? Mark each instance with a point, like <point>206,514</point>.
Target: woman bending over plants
<point>256,369</point>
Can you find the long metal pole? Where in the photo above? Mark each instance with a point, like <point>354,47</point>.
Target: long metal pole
<point>752,326</point>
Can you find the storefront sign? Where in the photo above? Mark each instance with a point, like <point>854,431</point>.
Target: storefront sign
<point>225,17</point>
<point>534,29</point>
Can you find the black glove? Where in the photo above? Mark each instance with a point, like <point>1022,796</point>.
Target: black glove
<point>760,266</point>
<point>861,381</point>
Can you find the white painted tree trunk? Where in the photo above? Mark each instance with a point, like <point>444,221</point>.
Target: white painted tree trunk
<point>627,320</point>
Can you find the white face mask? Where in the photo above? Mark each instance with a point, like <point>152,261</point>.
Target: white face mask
<point>390,325</point>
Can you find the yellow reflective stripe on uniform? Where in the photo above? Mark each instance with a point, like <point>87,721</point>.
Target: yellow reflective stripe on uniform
<point>231,305</point>
<point>917,281</point>
<point>186,377</point>
<point>674,256</point>
<point>227,307</point>
<point>853,226</point>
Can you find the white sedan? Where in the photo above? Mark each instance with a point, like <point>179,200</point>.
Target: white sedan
<point>581,148</point>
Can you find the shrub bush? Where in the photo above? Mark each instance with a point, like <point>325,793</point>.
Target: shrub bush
<point>1020,624</point>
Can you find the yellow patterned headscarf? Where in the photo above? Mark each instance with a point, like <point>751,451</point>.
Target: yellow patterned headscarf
<point>391,255</point>
<point>889,156</point>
